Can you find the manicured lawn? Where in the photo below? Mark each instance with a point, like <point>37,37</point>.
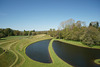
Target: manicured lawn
<point>15,46</point>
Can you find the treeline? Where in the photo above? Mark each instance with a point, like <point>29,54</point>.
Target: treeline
<point>10,32</point>
<point>69,30</point>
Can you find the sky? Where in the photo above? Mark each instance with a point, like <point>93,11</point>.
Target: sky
<point>42,15</point>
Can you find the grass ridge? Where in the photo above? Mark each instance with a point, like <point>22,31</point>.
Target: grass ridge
<point>57,60</point>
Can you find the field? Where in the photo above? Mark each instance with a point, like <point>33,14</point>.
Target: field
<point>12,52</point>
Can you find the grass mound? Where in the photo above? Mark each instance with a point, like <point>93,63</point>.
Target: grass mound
<point>97,61</point>
<point>1,50</point>
<point>7,59</point>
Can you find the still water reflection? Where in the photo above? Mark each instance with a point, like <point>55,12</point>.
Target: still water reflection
<point>76,56</point>
<point>39,51</point>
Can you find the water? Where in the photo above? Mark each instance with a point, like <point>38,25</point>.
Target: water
<point>76,56</point>
<point>39,51</point>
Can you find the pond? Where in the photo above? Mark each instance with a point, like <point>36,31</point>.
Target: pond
<point>39,51</point>
<point>76,56</point>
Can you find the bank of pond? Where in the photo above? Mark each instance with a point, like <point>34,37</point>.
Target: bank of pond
<point>71,54</point>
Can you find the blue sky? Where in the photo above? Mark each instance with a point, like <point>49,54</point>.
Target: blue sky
<point>46,14</point>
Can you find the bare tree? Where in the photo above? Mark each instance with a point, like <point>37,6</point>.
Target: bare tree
<point>66,24</point>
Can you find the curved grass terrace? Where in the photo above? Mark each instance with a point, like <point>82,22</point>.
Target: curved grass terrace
<point>97,61</point>
<point>12,52</point>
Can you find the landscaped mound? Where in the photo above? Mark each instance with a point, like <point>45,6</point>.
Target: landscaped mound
<point>7,59</point>
<point>97,61</point>
<point>1,50</point>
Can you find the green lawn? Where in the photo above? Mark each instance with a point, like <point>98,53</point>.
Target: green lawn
<point>7,59</point>
<point>97,61</point>
<point>12,52</point>
<point>1,50</point>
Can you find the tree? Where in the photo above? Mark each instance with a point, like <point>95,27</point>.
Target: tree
<point>97,24</point>
<point>33,33</point>
<point>65,29</point>
<point>1,35</point>
<point>33,30</point>
<point>75,33</point>
<point>94,24</point>
<point>25,33</point>
<point>91,36</point>
<point>78,31</point>
<point>1,30</point>
<point>90,24</point>
<point>66,24</point>
<point>16,32</point>
<point>8,32</point>
<point>78,24</point>
<point>29,33</point>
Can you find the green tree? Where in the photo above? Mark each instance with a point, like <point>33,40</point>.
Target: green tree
<point>94,24</point>
<point>91,36</point>
<point>25,33</point>
<point>8,32</point>
<point>16,32</point>
<point>1,35</point>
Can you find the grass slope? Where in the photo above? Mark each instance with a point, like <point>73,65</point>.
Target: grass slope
<point>57,62</point>
<point>7,59</point>
<point>1,50</point>
<point>14,54</point>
